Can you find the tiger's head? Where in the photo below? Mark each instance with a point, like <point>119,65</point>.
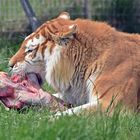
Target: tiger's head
<point>19,63</point>
<point>40,50</point>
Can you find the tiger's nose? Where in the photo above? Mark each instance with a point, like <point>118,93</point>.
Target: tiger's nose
<point>11,65</point>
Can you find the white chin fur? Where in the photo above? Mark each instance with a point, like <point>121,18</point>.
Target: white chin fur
<point>24,67</point>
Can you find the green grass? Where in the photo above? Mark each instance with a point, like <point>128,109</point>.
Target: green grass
<point>36,125</point>
<point>7,49</point>
<point>98,126</point>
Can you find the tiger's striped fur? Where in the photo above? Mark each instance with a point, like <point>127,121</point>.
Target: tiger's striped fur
<point>85,61</point>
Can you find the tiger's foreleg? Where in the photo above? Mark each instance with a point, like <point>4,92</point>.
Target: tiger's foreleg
<point>57,95</point>
<point>77,110</point>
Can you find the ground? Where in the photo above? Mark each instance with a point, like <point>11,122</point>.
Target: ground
<point>36,125</point>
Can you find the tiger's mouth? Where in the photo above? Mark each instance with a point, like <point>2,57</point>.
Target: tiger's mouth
<point>35,78</point>
<point>23,70</point>
<point>38,76</point>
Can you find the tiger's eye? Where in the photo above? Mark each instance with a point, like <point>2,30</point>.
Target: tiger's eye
<point>29,51</point>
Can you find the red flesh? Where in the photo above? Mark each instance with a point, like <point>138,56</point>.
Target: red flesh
<point>17,91</point>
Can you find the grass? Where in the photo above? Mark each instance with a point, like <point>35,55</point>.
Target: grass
<point>7,49</point>
<point>98,126</point>
<point>36,125</point>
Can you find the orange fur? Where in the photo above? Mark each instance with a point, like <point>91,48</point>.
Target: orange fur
<point>91,51</point>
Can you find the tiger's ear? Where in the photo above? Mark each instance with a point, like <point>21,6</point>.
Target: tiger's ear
<point>66,33</point>
<point>71,31</point>
<point>64,15</point>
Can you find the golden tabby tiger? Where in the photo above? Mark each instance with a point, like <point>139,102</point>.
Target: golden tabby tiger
<point>87,62</point>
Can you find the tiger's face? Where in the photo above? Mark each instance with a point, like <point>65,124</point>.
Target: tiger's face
<point>40,50</point>
<point>21,61</point>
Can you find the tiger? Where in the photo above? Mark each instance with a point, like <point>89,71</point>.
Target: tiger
<point>88,63</point>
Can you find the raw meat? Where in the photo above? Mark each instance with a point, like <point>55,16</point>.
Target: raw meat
<point>19,91</point>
